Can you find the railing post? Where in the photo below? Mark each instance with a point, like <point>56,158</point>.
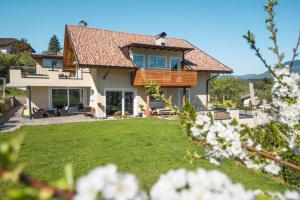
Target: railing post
<point>29,98</point>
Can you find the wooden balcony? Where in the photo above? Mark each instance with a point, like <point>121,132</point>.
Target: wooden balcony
<point>165,78</point>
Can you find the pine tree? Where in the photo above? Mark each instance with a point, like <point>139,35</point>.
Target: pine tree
<point>54,45</point>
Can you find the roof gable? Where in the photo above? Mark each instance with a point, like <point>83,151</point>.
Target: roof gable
<point>96,47</point>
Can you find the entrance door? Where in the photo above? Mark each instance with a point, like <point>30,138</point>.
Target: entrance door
<point>113,102</point>
<point>129,97</point>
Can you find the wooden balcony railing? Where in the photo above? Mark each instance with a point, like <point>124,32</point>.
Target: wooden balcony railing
<point>165,78</point>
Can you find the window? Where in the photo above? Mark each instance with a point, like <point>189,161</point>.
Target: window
<point>59,98</point>
<point>139,61</point>
<point>49,63</point>
<point>157,62</point>
<point>175,64</point>
<point>74,97</point>
<point>66,97</point>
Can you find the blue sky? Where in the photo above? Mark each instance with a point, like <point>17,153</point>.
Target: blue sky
<point>215,26</point>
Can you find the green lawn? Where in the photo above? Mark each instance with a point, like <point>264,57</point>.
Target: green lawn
<point>143,147</point>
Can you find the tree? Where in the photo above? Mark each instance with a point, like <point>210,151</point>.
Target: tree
<point>21,46</point>
<point>8,60</point>
<point>227,88</point>
<point>54,45</point>
<point>83,23</point>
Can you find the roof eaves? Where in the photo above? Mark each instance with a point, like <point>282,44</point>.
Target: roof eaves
<point>230,70</point>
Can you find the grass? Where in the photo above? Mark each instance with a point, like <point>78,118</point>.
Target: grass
<point>15,92</point>
<point>12,91</point>
<point>144,147</point>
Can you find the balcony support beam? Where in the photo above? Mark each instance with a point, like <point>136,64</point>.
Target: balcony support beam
<point>148,106</point>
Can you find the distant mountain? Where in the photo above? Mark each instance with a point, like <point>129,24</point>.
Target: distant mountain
<point>296,68</point>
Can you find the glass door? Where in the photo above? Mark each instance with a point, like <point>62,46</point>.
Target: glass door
<point>113,102</point>
<point>129,97</point>
<point>59,98</point>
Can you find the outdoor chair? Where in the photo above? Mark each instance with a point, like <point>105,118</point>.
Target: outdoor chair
<point>39,114</point>
<point>89,111</point>
<point>63,111</point>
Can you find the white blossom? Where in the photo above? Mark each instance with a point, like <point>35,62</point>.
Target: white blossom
<point>109,182</point>
<point>272,168</point>
<point>199,184</point>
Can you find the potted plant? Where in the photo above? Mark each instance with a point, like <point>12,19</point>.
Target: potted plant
<point>141,110</point>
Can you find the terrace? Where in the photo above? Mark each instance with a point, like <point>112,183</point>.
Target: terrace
<point>24,76</point>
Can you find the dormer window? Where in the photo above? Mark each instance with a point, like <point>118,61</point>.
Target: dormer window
<point>175,63</point>
<point>139,60</point>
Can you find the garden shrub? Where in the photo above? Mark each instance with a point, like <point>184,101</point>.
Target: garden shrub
<point>268,136</point>
<point>289,175</point>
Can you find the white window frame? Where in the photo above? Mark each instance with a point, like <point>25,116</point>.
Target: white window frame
<point>180,99</point>
<point>166,64</point>
<point>123,90</point>
<point>144,59</point>
<point>68,96</point>
<point>179,67</point>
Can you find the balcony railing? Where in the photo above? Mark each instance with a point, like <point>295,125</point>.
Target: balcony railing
<point>165,78</point>
<point>24,76</point>
<point>32,72</point>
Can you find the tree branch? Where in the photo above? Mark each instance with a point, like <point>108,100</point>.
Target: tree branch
<point>295,54</point>
<point>29,181</point>
<point>272,157</point>
<point>268,156</point>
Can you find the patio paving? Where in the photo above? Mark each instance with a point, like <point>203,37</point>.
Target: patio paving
<point>58,120</point>
<point>12,120</point>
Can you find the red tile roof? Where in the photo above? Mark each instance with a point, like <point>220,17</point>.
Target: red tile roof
<point>7,41</point>
<point>97,47</point>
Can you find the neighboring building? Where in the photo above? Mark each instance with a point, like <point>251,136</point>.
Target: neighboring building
<point>48,62</point>
<point>247,101</point>
<point>5,44</point>
<point>108,70</point>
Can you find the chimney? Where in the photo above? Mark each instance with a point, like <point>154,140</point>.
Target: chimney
<point>161,39</point>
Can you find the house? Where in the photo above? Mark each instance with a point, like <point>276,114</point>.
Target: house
<point>5,44</point>
<point>107,70</point>
<point>48,62</point>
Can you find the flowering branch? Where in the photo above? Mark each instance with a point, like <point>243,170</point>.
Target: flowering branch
<point>251,40</point>
<point>271,157</point>
<point>295,52</point>
<point>271,26</point>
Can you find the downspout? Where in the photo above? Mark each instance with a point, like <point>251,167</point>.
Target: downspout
<point>207,83</point>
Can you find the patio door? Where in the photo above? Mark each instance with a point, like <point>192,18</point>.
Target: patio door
<point>122,101</point>
<point>113,102</point>
<point>129,97</point>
